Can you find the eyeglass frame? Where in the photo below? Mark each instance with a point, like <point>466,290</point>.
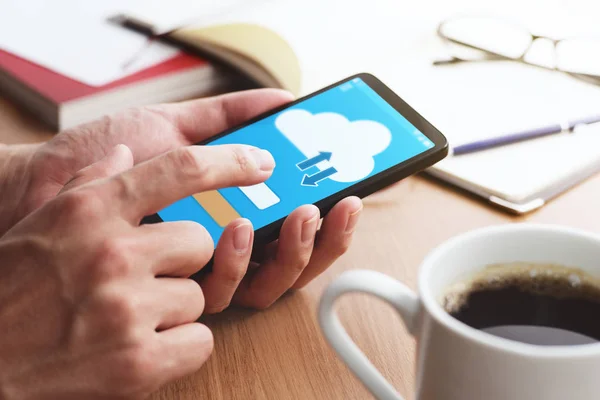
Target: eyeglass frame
<point>588,77</point>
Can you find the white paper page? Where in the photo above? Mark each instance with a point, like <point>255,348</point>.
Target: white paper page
<point>397,43</point>
<point>480,100</point>
<point>331,38</point>
<point>523,170</point>
<point>336,38</point>
<point>473,101</point>
<point>165,16</point>
<point>74,39</point>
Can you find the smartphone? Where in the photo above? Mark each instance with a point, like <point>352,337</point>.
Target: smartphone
<point>349,139</point>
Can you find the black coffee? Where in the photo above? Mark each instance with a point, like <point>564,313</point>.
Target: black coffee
<point>536,304</point>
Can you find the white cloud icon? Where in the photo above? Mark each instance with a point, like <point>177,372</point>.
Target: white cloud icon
<point>352,144</point>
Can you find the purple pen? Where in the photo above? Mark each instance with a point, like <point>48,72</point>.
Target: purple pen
<point>522,136</point>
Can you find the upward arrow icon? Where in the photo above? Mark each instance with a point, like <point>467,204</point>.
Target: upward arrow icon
<point>309,162</point>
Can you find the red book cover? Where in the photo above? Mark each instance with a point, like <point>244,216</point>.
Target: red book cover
<point>61,89</point>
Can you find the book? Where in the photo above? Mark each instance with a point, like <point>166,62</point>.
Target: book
<point>473,101</point>
<point>256,51</point>
<point>63,102</point>
<point>206,60</point>
<point>523,177</point>
<point>253,50</point>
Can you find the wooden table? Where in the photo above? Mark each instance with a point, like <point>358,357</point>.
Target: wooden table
<point>280,353</point>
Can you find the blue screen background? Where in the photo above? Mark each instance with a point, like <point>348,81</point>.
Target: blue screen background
<point>356,101</point>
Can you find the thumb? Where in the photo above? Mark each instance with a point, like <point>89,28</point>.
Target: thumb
<point>117,160</point>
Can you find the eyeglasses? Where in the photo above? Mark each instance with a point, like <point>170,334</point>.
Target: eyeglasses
<point>485,38</point>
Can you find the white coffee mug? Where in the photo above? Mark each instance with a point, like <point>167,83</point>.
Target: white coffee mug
<point>455,361</point>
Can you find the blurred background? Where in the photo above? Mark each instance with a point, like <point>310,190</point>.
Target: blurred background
<point>475,69</point>
<point>64,62</point>
<point>331,38</point>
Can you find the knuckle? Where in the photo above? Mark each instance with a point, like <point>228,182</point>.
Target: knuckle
<point>262,303</point>
<point>157,111</point>
<point>242,159</point>
<point>46,157</point>
<point>139,362</point>
<point>299,264</point>
<point>78,175</point>
<point>35,245</point>
<point>340,249</point>
<point>196,230</point>
<point>188,163</point>
<point>82,204</point>
<point>201,239</point>
<point>196,295</point>
<point>123,189</point>
<point>217,308</point>
<point>136,372</point>
<point>113,259</point>
<point>106,123</point>
<point>120,311</point>
<point>234,274</point>
<point>134,113</point>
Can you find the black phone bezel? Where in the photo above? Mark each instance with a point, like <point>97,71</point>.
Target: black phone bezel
<point>370,185</point>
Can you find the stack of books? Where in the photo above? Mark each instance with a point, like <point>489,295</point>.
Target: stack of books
<point>212,59</point>
<point>63,102</point>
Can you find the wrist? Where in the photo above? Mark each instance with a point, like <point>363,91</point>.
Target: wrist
<point>15,179</point>
<point>15,163</point>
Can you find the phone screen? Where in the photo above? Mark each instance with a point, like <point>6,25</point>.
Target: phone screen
<point>321,145</point>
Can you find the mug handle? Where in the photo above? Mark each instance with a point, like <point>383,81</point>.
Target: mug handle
<point>379,285</point>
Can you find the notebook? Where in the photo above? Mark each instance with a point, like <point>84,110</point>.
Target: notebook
<point>473,101</point>
<point>56,76</point>
<point>249,49</point>
<point>75,39</point>
<point>62,102</point>
<point>253,50</point>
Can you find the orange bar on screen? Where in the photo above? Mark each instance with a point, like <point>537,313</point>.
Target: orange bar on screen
<point>217,207</point>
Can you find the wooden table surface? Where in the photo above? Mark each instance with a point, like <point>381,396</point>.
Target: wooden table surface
<point>280,353</point>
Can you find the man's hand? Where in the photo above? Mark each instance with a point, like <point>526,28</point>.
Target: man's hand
<point>92,305</point>
<point>96,150</point>
<point>33,174</point>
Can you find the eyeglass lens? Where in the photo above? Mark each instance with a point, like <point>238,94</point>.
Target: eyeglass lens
<point>510,40</point>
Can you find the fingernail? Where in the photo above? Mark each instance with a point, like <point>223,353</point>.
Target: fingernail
<point>241,237</point>
<point>119,148</point>
<point>309,228</point>
<point>263,158</point>
<point>352,220</point>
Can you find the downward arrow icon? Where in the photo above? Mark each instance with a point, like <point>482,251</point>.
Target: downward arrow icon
<point>314,179</point>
